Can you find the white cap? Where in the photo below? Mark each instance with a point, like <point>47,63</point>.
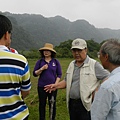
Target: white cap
<point>79,44</point>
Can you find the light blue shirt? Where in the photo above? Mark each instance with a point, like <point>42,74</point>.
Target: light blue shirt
<point>106,105</point>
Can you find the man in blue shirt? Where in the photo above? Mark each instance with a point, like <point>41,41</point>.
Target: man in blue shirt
<point>106,105</point>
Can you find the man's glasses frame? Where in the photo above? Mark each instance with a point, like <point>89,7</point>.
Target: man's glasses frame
<point>98,54</point>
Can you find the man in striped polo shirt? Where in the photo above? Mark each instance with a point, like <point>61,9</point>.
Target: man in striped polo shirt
<point>14,78</point>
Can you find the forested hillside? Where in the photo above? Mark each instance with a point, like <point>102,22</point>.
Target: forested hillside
<point>31,31</point>
<point>64,50</point>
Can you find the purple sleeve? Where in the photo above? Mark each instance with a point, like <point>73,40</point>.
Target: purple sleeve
<point>37,66</point>
<point>58,71</point>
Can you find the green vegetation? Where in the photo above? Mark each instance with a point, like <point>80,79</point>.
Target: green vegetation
<point>64,50</point>
<point>32,99</point>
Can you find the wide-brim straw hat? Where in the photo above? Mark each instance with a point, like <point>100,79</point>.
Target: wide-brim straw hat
<point>48,46</point>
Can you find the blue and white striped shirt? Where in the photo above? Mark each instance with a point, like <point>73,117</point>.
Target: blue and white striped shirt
<point>14,77</point>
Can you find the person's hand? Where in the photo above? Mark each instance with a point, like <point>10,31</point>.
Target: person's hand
<point>50,88</point>
<point>44,67</point>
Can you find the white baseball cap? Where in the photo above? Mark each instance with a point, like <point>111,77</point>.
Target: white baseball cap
<point>79,44</point>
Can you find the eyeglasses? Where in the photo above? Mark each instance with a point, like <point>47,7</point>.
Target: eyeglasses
<point>77,50</point>
<point>98,54</point>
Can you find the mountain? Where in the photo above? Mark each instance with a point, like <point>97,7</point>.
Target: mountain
<point>31,31</point>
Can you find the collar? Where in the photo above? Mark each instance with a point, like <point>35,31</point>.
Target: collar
<point>116,70</point>
<point>86,60</point>
<point>3,48</point>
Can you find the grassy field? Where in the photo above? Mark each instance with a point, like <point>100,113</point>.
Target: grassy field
<point>32,99</point>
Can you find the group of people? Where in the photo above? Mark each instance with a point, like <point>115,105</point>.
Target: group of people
<point>92,89</point>
<point>83,76</point>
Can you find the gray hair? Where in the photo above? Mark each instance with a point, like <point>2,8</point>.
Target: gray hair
<point>112,48</point>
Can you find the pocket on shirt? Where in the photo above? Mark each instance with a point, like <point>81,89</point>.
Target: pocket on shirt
<point>88,77</point>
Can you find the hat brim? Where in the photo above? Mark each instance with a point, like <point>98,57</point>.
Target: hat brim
<point>78,47</point>
<point>46,48</point>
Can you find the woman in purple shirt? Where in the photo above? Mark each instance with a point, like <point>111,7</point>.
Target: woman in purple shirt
<point>49,71</point>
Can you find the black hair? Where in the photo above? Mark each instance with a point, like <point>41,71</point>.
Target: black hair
<point>5,25</point>
<point>53,54</point>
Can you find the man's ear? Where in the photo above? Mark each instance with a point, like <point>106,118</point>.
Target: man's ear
<point>6,35</point>
<point>106,57</point>
<point>86,49</point>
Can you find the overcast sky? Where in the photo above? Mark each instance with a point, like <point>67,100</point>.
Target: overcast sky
<point>100,13</point>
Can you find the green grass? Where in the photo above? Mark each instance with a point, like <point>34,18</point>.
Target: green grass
<point>32,99</point>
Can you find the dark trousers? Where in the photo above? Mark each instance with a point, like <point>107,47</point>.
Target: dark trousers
<point>77,110</point>
<point>43,95</point>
